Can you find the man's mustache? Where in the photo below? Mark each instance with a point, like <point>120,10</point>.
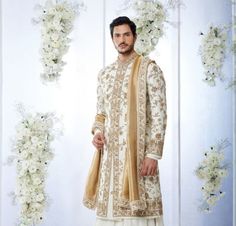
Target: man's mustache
<point>122,44</point>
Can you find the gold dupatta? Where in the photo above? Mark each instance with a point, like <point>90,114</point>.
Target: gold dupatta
<point>91,187</point>
<point>130,189</point>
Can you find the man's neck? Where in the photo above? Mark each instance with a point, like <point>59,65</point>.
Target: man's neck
<point>125,57</point>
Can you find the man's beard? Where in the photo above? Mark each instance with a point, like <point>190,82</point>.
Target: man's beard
<point>126,52</point>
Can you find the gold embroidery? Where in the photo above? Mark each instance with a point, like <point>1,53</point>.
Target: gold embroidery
<point>115,106</point>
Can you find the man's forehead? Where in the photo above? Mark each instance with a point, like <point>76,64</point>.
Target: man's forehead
<point>124,28</point>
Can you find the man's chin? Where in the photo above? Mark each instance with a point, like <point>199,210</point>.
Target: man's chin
<point>125,52</point>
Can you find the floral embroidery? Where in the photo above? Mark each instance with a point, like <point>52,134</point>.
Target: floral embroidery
<point>112,102</point>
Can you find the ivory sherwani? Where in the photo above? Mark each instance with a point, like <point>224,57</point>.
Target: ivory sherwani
<point>113,120</point>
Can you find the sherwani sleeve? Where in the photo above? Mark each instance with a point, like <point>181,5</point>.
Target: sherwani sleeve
<point>99,121</point>
<point>156,112</point>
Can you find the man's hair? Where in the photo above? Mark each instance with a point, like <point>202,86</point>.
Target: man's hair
<point>120,21</point>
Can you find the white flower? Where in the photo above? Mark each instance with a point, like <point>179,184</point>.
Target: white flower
<point>223,172</point>
<point>200,172</point>
<point>37,180</point>
<point>208,187</point>
<point>34,140</point>
<point>39,197</point>
<point>212,200</point>
<point>32,168</point>
<point>24,199</point>
<point>24,153</point>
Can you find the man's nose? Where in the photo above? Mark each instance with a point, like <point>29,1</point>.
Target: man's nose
<point>122,38</point>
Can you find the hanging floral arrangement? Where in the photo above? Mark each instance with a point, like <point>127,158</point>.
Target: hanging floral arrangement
<point>32,153</point>
<point>213,52</point>
<point>212,170</point>
<point>56,20</point>
<point>150,19</point>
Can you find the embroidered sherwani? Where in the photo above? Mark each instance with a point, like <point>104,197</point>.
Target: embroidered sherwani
<point>112,103</point>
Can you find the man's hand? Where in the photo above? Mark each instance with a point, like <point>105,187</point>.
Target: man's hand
<point>98,140</point>
<point>149,167</point>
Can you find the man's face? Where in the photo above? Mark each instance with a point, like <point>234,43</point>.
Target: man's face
<point>123,39</point>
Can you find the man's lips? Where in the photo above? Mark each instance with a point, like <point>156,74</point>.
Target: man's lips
<point>122,45</point>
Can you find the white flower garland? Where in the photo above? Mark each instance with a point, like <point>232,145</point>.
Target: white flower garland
<point>150,19</point>
<point>212,170</point>
<point>57,23</point>
<point>32,154</point>
<point>213,51</point>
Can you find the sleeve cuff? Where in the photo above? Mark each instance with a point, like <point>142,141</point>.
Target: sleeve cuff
<point>96,130</point>
<point>153,156</point>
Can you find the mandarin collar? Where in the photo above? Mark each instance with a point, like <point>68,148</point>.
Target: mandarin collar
<point>128,61</point>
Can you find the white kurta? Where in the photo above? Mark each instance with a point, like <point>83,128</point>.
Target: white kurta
<point>112,102</point>
<point>130,222</point>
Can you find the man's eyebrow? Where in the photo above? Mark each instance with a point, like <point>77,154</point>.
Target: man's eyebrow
<point>126,33</point>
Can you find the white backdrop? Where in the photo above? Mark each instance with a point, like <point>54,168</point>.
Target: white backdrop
<point>206,113</point>
<point>197,115</point>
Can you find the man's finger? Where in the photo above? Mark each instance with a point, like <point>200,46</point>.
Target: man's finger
<point>143,172</point>
<point>98,142</point>
<point>144,169</point>
<point>97,145</point>
<point>103,138</point>
<point>100,139</point>
<point>152,172</point>
<point>149,171</point>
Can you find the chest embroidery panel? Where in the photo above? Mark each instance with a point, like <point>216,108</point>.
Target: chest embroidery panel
<point>115,99</point>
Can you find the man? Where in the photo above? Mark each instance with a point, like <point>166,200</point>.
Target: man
<point>129,130</point>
